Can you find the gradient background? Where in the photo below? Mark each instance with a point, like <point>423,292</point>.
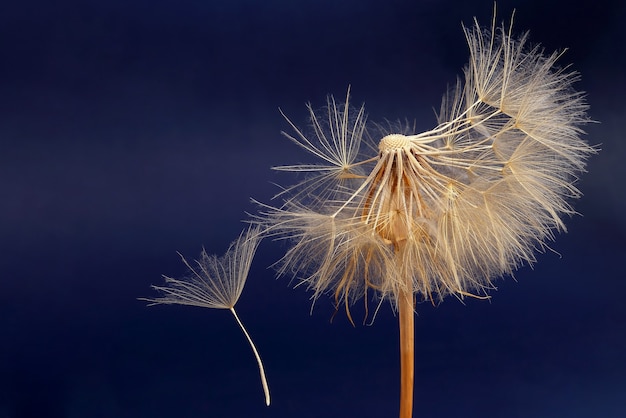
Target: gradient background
<point>130,130</point>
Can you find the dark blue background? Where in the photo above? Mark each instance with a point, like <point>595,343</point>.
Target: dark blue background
<point>132,130</point>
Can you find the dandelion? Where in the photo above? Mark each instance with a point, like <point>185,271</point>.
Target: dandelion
<point>404,216</point>
<point>216,282</point>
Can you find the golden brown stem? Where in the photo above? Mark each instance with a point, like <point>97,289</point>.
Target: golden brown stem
<point>407,353</point>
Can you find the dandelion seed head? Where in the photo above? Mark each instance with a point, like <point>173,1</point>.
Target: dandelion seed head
<point>446,211</point>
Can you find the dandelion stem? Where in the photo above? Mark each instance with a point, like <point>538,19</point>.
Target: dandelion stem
<point>266,388</point>
<point>407,350</point>
<point>407,342</point>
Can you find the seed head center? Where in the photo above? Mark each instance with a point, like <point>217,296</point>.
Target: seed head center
<point>393,142</point>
